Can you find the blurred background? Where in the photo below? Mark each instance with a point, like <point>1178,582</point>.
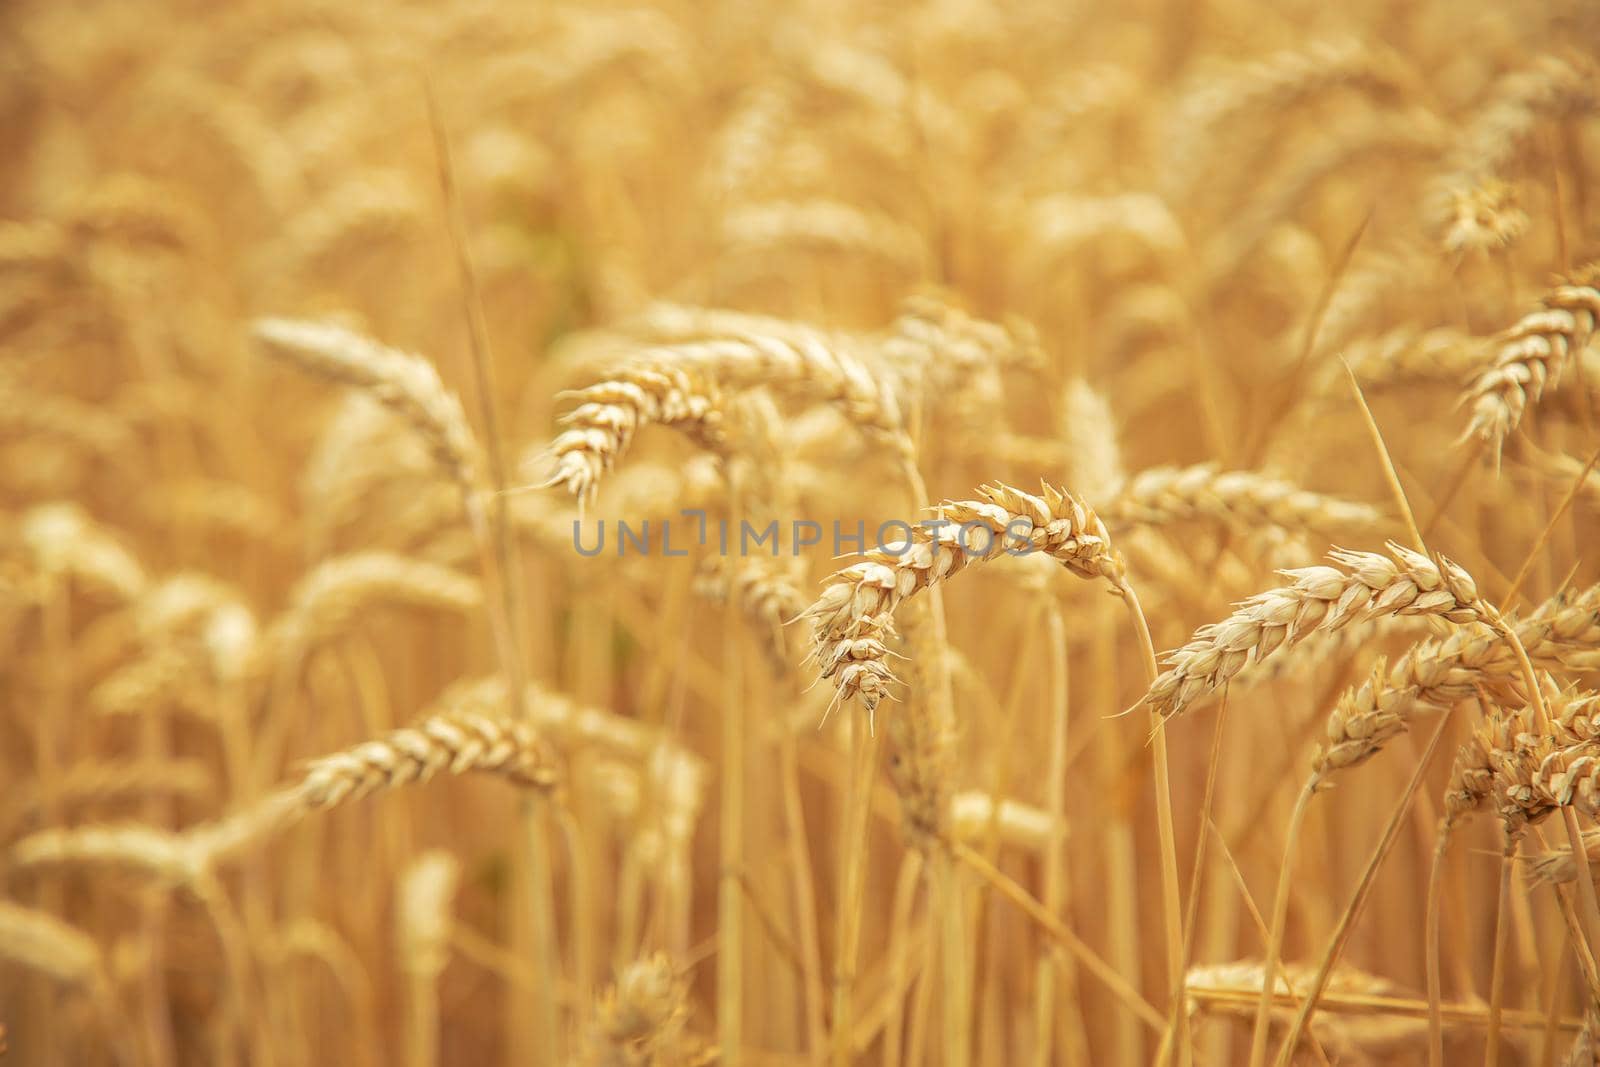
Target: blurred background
<point>1121,248</point>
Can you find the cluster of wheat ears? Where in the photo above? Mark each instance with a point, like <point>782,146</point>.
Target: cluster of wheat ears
<point>1241,352</point>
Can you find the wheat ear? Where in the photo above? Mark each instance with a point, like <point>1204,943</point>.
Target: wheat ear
<point>853,615</point>
<point>1363,586</point>
<point>407,384</point>
<point>609,413</point>
<point>1245,499</point>
<point>1532,356</point>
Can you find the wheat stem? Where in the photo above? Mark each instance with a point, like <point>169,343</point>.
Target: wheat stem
<point>1336,945</point>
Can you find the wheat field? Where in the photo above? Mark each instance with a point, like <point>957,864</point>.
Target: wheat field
<point>752,533</point>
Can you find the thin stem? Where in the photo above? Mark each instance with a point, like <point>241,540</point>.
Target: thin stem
<point>905,895</point>
<point>1197,872</point>
<point>1435,890</point>
<point>853,845</point>
<point>953,966</point>
<point>1549,528</point>
<point>730,838</point>
<point>1172,905</point>
<point>1389,473</point>
<point>1091,961</point>
<point>502,570</point>
<point>1497,973</point>
<point>1044,1007</point>
<point>1280,916</point>
<point>1330,956</point>
<point>805,901</point>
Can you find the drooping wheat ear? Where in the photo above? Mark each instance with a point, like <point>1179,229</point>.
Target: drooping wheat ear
<point>1239,498</point>
<point>188,628</point>
<point>38,941</point>
<point>423,904</point>
<point>1091,434</point>
<point>1440,672</point>
<point>1522,795</point>
<point>1402,356</point>
<point>1274,83</point>
<point>1319,598</point>
<point>205,610</point>
<point>1549,87</point>
<point>1472,778</point>
<point>93,783</point>
<point>854,614</point>
<point>1322,649</point>
<point>458,740</point>
<point>1362,721</point>
<point>1533,355</point>
<point>326,601</point>
<point>599,430</point>
<point>1572,775</point>
<point>1352,1036</point>
<point>826,226</point>
<point>1535,770</point>
<point>66,541</point>
<point>372,477</point>
<point>163,677</point>
<point>159,854</point>
<point>455,742</point>
<point>406,383</point>
<point>950,360</point>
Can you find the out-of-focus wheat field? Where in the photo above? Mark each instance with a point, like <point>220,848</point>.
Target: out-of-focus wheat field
<point>1238,715</point>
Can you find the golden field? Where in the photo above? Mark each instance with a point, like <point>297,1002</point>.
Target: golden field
<point>741,533</point>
